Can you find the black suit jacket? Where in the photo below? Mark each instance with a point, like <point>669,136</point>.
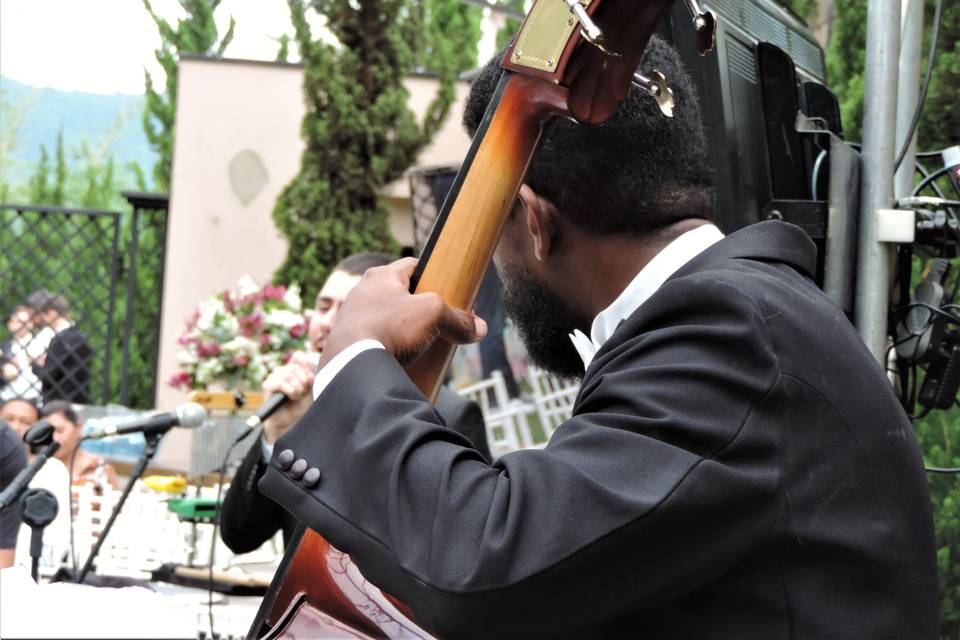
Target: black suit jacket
<point>737,466</point>
<point>66,370</point>
<point>248,518</point>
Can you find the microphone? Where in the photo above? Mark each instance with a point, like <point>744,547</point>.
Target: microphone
<point>188,416</point>
<point>921,332</point>
<point>276,400</point>
<point>40,433</point>
<point>267,409</point>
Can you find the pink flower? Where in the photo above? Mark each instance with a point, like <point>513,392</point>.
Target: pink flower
<point>274,292</point>
<point>181,379</point>
<point>208,350</point>
<point>251,324</point>
<point>298,330</point>
<point>228,301</point>
<point>241,359</point>
<point>193,318</point>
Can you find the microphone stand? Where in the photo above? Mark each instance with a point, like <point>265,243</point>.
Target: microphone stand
<point>153,440</point>
<point>19,484</point>
<point>38,508</point>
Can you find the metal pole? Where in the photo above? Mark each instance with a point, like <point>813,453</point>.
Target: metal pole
<point>908,89</point>
<point>874,261</point>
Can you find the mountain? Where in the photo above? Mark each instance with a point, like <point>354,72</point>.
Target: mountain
<point>109,122</point>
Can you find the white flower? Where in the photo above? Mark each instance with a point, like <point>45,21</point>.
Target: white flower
<point>209,312</point>
<point>208,370</point>
<point>271,359</point>
<point>240,344</point>
<point>187,357</point>
<point>256,371</point>
<point>283,318</point>
<point>247,286</point>
<point>292,298</point>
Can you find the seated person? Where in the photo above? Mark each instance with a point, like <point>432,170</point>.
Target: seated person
<point>86,467</point>
<point>249,519</point>
<point>19,413</point>
<point>13,459</point>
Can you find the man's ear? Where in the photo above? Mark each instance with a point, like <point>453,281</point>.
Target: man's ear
<point>541,219</point>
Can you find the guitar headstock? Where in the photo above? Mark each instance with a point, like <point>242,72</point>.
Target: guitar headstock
<point>593,49</point>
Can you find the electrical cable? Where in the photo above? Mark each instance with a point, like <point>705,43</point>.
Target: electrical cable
<point>918,110</point>
<point>942,469</point>
<point>216,523</point>
<point>937,310</point>
<point>816,173</point>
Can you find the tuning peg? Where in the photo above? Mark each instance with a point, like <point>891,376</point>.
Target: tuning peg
<point>656,85</point>
<point>589,29</point>
<point>705,24</point>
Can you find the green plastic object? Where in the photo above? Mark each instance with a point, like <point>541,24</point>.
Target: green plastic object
<point>193,508</point>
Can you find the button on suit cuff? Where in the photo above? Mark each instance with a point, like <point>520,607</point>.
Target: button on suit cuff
<point>339,361</point>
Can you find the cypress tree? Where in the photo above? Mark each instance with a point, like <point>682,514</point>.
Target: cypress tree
<point>194,34</point>
<point>59,195</point>
<point>39,190</point>
<point>359,133</point>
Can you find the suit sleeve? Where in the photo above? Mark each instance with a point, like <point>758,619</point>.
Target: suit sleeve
<point>651,489</point>
<point>463,416</point>
<point>248,518</point>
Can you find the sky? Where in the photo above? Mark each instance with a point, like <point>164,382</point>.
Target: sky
<point>103,46</point>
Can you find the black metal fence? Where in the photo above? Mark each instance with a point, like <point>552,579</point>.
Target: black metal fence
<point>108,269</point>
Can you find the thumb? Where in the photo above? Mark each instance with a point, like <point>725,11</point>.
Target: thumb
<point>461,327</point>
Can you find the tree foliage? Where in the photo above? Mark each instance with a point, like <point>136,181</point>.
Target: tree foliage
<point>510,25</point>
<point>196,33</point>
<point>940,121</point>
<point>360,134</point>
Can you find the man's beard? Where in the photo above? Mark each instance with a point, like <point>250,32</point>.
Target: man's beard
<point>543,320</point>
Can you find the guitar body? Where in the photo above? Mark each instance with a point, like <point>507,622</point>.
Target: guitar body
<point>318,592</point>
<point>324,595</point>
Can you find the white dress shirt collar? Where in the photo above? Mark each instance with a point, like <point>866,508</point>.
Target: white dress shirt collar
<point>644,284</point>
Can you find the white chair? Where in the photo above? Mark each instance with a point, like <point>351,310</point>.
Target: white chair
<point>144,536</point>
<point>552,398</point>
<point>506,423</point>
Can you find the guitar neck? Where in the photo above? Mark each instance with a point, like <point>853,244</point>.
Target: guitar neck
<point>469,224</point>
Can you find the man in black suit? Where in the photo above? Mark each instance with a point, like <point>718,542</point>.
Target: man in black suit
<point>13,459</point>
<point>737,465</point>
<point>248,519</point>
<point>64,369</point>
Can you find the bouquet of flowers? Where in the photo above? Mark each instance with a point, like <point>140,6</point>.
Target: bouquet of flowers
<point>238,337</point>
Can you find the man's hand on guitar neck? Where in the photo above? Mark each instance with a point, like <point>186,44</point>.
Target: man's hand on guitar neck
<point>381,308</point>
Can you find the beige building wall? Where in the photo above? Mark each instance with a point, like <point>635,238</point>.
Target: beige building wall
<point>237,145</point>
